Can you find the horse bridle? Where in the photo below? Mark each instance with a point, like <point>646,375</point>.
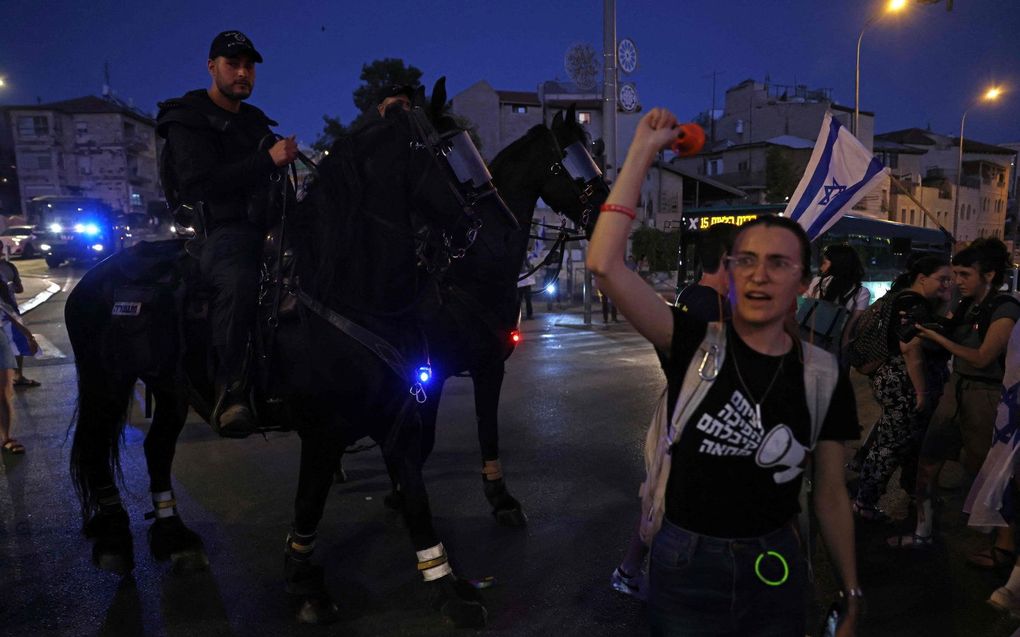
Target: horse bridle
<point>583,192</point>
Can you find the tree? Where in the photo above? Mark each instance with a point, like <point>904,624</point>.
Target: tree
<point>780,177</point>
<point>375,76</point>
<point>659,247</point>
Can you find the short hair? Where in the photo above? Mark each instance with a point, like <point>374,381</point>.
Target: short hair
<point>713,243</point>
<point>987,254</point>
<point>779,221</point>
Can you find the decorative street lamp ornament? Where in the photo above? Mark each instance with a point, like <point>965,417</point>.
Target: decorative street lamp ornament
<point>582,65</point>
<point>628,97</point>
<point>626,55</point>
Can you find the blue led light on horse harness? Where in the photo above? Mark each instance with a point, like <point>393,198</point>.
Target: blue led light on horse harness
<point>782,560</point>
<point>424,373</point>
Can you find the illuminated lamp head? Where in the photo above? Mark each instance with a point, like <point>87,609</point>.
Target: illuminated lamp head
<point>515,336</point>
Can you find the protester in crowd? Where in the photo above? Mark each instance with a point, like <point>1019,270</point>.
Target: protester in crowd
<point>726,559</point>
<point>706,301</point>
<point>976,336</point>
<point>993,496</point>
<point>907,385</point>
<point>839,281</point>
<point>11,285</point>
<point>9,444</point>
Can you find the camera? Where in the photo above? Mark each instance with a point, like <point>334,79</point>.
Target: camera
<point>909,322</point>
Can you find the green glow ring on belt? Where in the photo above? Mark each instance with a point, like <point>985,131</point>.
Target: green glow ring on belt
<point>782,560</point>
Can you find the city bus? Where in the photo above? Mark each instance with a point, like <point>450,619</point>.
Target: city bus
<point>883,246</point>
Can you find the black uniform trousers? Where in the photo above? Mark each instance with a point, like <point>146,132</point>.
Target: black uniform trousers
<point>230,263</point>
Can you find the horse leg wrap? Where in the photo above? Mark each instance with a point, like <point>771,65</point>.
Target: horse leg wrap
<point>163,505</point>
<point>432,563</point>
<point>299,546</point>
<point>492,470</point>
<point>109,500</point>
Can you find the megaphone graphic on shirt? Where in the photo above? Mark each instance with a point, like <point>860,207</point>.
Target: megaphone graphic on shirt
<point>781,449</point>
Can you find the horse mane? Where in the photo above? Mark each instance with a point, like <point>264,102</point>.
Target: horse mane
<point>330,219</point>
<point>515,147</point>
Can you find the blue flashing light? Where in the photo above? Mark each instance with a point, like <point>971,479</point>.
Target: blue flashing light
<point>56,228</point>
<point>90,229</point>
<point>551,288</point>
<point>425,373</point>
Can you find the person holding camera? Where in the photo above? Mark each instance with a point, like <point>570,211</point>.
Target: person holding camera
<point>976,336</point>
<point>907,385</point>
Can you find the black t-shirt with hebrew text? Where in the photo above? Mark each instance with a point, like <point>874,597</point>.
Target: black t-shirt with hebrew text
<point>716,486</point>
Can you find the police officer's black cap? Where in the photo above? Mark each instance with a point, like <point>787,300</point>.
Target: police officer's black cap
<point>397,89</point>
<point>233,43</point>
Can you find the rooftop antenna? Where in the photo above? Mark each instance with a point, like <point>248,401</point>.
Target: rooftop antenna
<point>106,80</point>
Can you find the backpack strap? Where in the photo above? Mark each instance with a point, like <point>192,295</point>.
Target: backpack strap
<point>821,373</point>
<point>662,433</point>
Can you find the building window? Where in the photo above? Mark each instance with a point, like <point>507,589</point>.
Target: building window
<point>518,108</point>
<point>33,126</point>
<point>584,118</point>
<point>81,128</point>
<point>84,165</point>
<point>129,130</point>
<point>903,215</point>
<point>136,199</point>
<point>912,211</point>
<point>37,161</point>
<point>742,166</point>
<point>713,167</point>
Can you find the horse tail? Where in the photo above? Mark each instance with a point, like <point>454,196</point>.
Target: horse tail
<point>103,395</point>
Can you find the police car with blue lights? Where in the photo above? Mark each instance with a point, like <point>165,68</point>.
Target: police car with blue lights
<point>75,229</point>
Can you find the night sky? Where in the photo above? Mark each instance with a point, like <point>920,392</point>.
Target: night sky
<point>918,69</point>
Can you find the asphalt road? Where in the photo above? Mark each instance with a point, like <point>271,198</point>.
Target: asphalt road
<point>575,405</point>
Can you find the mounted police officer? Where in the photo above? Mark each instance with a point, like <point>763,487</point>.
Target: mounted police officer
<point>220,161</point>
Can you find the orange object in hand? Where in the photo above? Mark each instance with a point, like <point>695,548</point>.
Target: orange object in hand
<point>690,140</point>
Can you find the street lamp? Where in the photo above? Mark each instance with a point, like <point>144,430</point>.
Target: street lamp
<point>990,95</point>
<point>891,7</point>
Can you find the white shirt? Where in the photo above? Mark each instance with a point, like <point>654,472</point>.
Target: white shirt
<point>860,300</point>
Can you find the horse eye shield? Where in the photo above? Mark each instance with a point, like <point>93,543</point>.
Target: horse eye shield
<point>470,170</point>
<point>579,164</point>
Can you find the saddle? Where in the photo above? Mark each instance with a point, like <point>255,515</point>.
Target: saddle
<point>158,325</point>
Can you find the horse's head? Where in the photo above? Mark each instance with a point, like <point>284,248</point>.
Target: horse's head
<point>573,184</point>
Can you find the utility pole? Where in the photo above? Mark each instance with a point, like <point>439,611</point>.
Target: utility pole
<point>711,114</point>
<point>608,117</point>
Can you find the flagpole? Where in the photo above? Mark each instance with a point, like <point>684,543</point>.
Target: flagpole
<point>926,212</point>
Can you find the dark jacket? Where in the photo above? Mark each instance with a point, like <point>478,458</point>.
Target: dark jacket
<point>214,156</point>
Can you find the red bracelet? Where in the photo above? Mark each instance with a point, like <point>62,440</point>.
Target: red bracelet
<point>623,210</point>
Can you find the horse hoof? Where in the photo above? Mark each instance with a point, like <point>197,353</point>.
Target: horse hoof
<point>170,539</point>
<point>460,602</point>
<point>514,518</point>
<point>113,548</point>
<point>318,611</point>
<point>189,561</point>
<point>394,500</point>
<point>118,563</point>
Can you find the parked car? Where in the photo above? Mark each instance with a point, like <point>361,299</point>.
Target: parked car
<point>20,241</point>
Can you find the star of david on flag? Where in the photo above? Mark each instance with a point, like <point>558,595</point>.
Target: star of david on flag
<point>840,173</point>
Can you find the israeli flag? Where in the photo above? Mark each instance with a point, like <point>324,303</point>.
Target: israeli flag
<point>840,173</point>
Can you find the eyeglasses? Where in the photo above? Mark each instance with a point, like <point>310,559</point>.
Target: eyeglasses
<point>775,265</point>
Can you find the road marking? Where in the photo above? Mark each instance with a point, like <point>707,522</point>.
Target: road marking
<point>39,299</point>
<point>47,350</point>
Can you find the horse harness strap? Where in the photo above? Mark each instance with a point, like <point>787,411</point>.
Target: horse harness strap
<point>370,340</point>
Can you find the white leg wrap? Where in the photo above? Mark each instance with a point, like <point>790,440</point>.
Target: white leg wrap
<point>164,505</point>
<point>435,563</point>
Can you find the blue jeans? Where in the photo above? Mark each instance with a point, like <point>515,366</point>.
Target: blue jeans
<point>702,586</point>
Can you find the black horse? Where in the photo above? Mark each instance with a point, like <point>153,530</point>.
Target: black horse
<point>344,358</point>
<point>470,324</point>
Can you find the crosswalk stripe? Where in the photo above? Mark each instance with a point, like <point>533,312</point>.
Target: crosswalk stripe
<point>47,350</point>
